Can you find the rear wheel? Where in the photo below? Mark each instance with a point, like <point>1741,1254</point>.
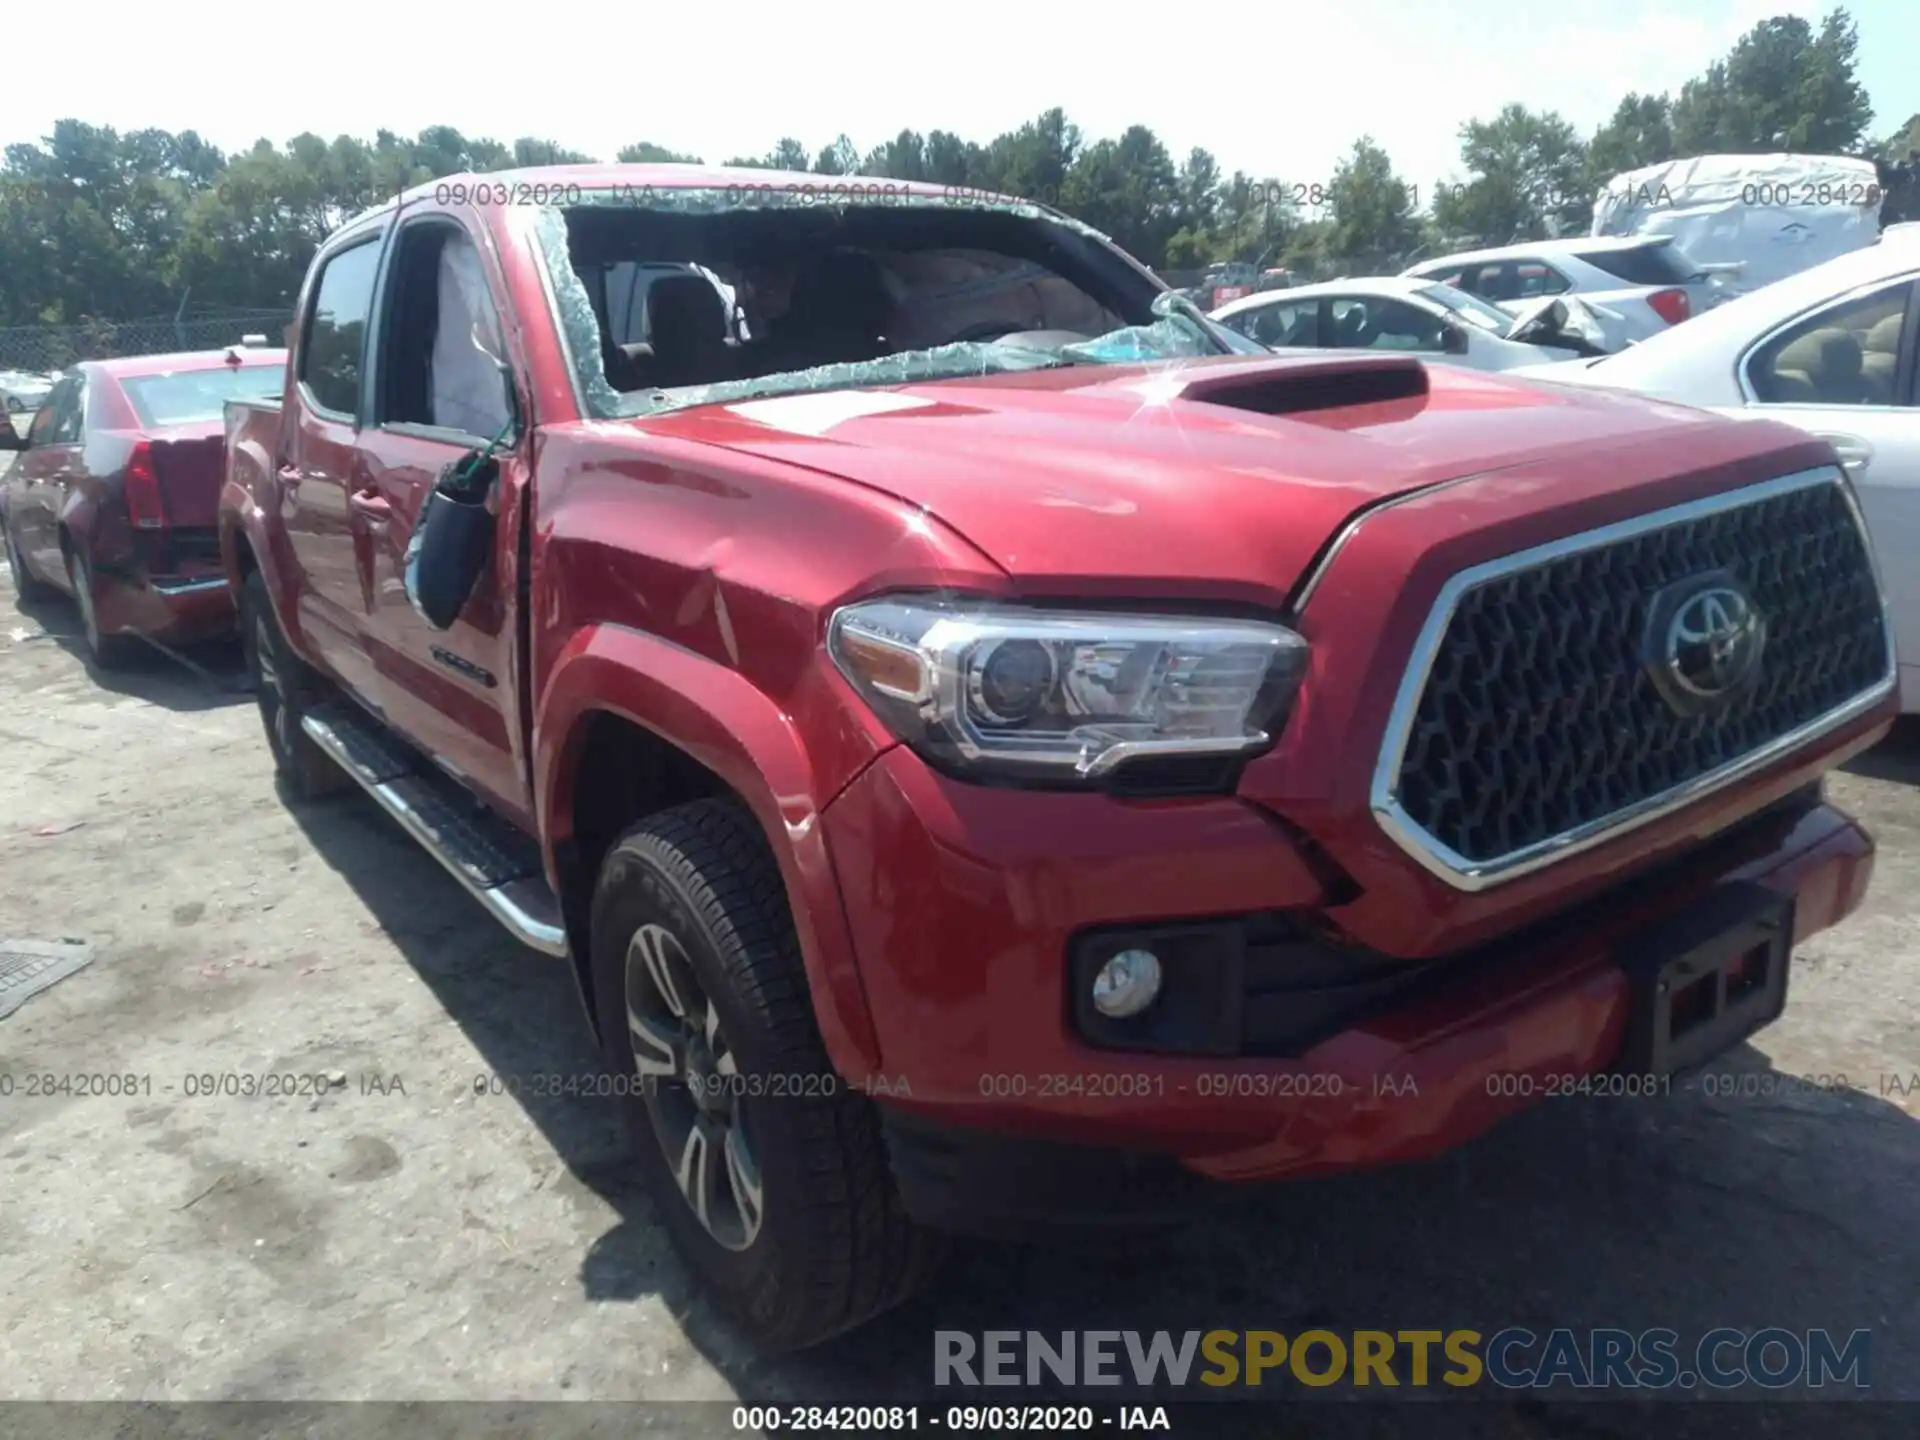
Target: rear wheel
<point>285,687</point>
<point>26,585</point>
<point>108,652</point>
<point>768,1172</point>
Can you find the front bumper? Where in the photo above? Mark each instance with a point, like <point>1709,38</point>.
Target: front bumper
<point>964,903</point>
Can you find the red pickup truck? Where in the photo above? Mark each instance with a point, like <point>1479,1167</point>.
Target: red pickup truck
<point>991,750</point>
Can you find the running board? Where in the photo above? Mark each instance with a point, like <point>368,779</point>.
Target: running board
<point>497,864</point>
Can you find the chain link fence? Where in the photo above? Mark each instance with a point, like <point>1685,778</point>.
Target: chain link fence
<point>47,349</point>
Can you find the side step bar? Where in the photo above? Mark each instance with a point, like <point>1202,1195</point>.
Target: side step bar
<point>498,865</point>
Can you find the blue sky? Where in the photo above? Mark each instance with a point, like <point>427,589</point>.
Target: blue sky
<point>1274,89</point>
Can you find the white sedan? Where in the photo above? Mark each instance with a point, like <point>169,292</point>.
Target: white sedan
<point>1832,350</point>
<point>1412,316</point>
<point>1641,284</point>
<point>22,390</point>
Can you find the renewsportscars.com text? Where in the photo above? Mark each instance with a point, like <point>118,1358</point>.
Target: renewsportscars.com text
<point>1513,1358</point>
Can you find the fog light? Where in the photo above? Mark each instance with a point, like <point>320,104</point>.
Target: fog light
<point>1127,984</point>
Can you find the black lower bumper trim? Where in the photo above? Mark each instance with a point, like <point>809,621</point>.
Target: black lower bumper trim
<point>974,1182</point>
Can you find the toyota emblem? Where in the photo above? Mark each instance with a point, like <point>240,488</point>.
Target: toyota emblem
<point>1704,639</point>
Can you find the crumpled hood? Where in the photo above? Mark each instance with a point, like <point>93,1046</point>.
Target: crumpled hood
<point>1127,479</point>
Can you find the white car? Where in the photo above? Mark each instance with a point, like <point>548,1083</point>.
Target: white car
<point>1641,284</point>
<point>1417,316</point>
<point>22,390</point>
<point>1832,350</point>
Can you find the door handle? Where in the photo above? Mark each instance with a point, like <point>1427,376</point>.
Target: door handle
<point>1855,454</point>
<point>371,505</point>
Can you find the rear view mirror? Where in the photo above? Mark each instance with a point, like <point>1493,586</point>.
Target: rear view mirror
<point>10,438</point>
<point>1453,340</point>
<point>452,540</point>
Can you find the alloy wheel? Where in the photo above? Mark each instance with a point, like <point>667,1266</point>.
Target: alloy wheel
<point>694,1088</point>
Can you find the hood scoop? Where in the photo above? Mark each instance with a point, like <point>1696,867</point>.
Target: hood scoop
<point>1293,387</point>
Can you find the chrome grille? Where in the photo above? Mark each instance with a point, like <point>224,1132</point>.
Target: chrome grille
<point>1528,725</point>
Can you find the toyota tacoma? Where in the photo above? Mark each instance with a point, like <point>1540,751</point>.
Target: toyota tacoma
<point>991,750</point>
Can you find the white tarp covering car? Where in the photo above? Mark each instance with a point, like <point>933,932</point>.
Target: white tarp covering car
<point>1752,219</point>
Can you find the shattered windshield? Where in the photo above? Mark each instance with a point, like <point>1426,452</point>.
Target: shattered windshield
<point>747,294</point>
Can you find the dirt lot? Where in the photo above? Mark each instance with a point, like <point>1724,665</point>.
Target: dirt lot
<point>401,1237</point>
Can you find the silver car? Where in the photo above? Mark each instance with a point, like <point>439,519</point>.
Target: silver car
<point>1641,285</point>
<point>23,390</point>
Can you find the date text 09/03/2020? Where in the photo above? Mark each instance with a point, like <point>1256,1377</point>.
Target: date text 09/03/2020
<point>958,1419</point>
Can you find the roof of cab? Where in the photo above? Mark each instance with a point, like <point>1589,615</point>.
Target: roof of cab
<point>532,179</point>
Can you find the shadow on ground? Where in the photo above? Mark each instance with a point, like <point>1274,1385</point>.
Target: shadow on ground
<point>205,676</point>
<point>1749,1202</point>
<point>1895,758</point>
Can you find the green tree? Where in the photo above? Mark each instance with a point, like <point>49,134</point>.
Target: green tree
<point>88,223</point>
<point>1640,133</point>
<point>839,158</point>
<point>1197,215</point>
<point>529,151</point>
<point>647,153</point>
<point>1127,189</point>
<point>953,161</point>
<point>1781,88</point>
<point>1255,221</point>
<point>902,158</point>
<point>1371,222</point>
<point>1529,179</point>
<point>789,154</point>
<point>1031,162</point>
<point>1901,143</point>
<point>97,223</point>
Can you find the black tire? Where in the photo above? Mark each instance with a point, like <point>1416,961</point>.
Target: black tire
<point>107,652</point>
<point>30,589</point>
<point>832,1248</point>
<point>285,688</point>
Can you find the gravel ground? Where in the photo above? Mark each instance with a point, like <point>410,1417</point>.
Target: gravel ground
<point>400,1237</point>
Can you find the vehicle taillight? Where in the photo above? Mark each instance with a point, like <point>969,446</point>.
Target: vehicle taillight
<point>1671,306</point>
<point>142,489</point>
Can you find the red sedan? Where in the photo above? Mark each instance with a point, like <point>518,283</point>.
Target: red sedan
<point>115,500</point>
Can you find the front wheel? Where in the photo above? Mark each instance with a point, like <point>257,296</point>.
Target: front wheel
<point>768,1172</point>
<point>284,688</point>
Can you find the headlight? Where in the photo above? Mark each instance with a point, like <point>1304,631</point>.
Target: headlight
<point>1042,694</point>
